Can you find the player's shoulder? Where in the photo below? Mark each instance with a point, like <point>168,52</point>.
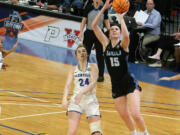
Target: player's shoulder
<point>93,66</point>
<point>73,69</point>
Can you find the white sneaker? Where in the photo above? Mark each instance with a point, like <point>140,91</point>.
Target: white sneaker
<point>134,132</point>
<point>141,133</point>
<point>156,64</point>
<point>146,133</point>
<point>154,57</point>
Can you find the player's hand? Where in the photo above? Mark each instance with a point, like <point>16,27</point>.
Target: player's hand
<point>108,3</point>
<point>65,103</point>
<point>165,78</point>
<point>4,66</point>
<point>78,98</point>
<point>121,15</point>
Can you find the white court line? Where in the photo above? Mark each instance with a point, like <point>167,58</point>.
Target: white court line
<point>24,116</point>
<point>150,115</point>
<point>37,99</point>
<point>53,105</point>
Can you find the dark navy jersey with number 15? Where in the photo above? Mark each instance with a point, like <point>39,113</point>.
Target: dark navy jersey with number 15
<point>116,61</point>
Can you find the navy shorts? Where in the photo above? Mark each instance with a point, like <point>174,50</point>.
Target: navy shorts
<point>127,84</point>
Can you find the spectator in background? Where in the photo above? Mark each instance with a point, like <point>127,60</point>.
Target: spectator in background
<point>76,6</point>
<point>49,4</point>
<point>90,38</point>
<point>165,43</point>
<point>153,25</point>
<point>153,22</point>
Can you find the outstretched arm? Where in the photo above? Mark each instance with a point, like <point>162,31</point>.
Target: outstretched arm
<point>125,33</point>
<point>176,77</point>
<point>97,30</point>
<point>7,52</point>
<point>67,89</point>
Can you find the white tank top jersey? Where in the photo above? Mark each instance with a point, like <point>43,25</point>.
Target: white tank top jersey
<point>82,79</point>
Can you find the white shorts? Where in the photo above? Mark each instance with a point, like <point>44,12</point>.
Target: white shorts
<point>89,105</point>
<point>1,64</point>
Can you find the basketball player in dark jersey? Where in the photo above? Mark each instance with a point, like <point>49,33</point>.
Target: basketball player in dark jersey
<point>125,89</point>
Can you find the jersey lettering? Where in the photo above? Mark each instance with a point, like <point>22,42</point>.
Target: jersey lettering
<point>114,61</point>
<point>84,82</point>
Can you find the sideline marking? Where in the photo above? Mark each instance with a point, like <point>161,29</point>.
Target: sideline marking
<point>53,105</point>
<point>25,116</point>
<point>21,130</point>
<point>21,95</point>
<point>37,99</point>
<point>150,115</point>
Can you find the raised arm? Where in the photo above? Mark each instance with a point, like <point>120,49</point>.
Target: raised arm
<point>67,89</point>
<point>125,33</point>
<point>176,77</point>
<point>7,52</point>
<point>97,30</point>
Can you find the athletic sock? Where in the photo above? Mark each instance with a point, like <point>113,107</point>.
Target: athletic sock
<point>133,132</point>
<point>143,133</point>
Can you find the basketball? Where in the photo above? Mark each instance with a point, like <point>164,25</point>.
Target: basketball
<point>121,6</point>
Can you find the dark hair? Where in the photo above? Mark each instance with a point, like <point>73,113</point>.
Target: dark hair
<point>116,24</point>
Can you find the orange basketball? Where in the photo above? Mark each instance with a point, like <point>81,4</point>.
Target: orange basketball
<point>121,6</point>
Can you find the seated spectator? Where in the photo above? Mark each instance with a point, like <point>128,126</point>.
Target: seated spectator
<point>152,33</point>
<point>49,4</point>
<point>76,6</point>
<point>165,43</point>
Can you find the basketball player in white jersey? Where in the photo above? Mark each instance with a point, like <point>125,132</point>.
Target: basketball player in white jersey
<point>4,53</point>
<point>84,98</point>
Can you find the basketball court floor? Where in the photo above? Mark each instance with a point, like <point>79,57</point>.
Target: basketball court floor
<point>31,91</point>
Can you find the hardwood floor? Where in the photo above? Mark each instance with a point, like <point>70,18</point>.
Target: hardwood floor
<point>31,91</point>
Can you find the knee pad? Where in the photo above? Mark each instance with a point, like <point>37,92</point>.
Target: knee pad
<point>95,127</point>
